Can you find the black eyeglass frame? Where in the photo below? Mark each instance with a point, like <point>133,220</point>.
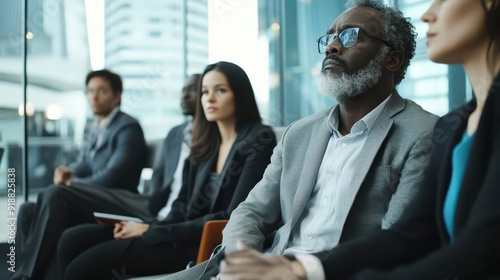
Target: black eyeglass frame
<point>387,43</point>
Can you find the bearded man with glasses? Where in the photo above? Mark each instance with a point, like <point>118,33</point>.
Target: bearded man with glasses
<point>343,172</point>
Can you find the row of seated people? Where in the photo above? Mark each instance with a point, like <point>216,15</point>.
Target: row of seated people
<point>206,168</point>
<point>328,193</point>
<point>338,176</point>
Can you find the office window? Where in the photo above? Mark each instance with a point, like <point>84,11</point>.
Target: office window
<point>11,107</point>
<point>438,88</point>
<point>156,60</point>
<point>155,20</point>
<point>155,33</point>
<point>153,65</point>
<point>292,28</point>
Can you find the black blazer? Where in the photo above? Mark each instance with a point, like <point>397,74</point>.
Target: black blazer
<point>244,167</point>
<point>417,247</point>
<point>118,161</point>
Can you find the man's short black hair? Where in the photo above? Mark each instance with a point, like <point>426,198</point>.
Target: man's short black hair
<point>115,81</point>
<point>398,30</point>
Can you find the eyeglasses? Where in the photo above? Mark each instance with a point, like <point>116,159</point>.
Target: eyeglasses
<point>347,38</point>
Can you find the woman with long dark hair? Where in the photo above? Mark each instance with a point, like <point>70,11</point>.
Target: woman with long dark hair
<point>230,151</point>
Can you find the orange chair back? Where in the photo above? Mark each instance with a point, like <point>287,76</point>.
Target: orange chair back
<point>210,238</point>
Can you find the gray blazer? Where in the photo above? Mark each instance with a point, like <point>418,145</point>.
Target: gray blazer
<point>119,159</point>
<point>395,153</point>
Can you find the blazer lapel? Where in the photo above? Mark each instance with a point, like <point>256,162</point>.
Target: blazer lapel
<point>478,164</point>
<point>92,139</point>
<point>104,141</point>
<point>203,172</point>
<point>455,133</point>
<point>376,137</point>
<point>242,134</point>
<point>111,128</point>
<point>317,143</point>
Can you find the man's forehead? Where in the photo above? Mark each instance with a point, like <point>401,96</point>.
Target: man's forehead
<point>101,82</point>
<point>366,18</point>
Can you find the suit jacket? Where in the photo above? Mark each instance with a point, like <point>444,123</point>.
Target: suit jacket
<point>165,167</point>
<point>396,148</point>
<point>119,159</point>
<point>198,203</point>
<point>419,244</point>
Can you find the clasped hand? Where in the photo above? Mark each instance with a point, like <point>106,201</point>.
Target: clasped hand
<point>62,176</point>
<point>250,264</point>
<point>125,230</point>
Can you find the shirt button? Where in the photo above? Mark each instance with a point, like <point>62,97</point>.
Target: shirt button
<point>309,237</point>
<point>344,145</point>
<point>325,201</point>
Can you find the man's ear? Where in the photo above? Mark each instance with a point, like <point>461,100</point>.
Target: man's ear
<point>489,3</point>
<point>117,98</point>
<point>396,60</point>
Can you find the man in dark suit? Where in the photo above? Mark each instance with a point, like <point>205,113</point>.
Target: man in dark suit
<point>112,157</point>
<point>115,150</point>
<point>62,207</point>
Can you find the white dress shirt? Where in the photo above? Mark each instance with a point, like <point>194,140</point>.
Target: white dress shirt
<point>326,207</point>
<point>176,185</point>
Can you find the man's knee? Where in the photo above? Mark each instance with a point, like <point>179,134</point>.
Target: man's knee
<point>26,214</point>
<point>26,208</point>
<point>55,193</point>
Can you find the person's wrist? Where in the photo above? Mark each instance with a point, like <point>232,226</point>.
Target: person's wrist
<point>297,268</point>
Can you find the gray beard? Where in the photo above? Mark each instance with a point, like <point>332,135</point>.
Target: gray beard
<point>346,86</point>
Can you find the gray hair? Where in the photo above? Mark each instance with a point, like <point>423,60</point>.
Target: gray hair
<point>398,30</point>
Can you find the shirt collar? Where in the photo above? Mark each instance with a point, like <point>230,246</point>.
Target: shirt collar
<point>368,120</point>
<point>188,130</point>
<point>189,126</point>
<point>104,124</point>
<point>371,117</point>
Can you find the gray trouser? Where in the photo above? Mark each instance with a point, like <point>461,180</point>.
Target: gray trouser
<point>202,271</point>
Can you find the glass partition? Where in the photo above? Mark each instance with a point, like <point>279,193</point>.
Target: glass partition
<point>11,111</point>
<point>154,45</point>
<point>57,61</point>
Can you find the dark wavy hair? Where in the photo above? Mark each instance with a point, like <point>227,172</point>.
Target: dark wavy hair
<point>492,24</point>
<point>206,136</point>
<point>397,29</point>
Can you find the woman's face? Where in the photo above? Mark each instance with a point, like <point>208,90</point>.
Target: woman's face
<point>217,98</point>
<point>457,30</point>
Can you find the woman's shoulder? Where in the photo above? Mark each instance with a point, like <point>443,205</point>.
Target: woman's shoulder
<point>257,125</point>
<point>457,117</point>
<point>257,133</point>
<point>255,128</point>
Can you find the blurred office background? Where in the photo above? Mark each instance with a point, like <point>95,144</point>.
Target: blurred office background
<point>154,45</point>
